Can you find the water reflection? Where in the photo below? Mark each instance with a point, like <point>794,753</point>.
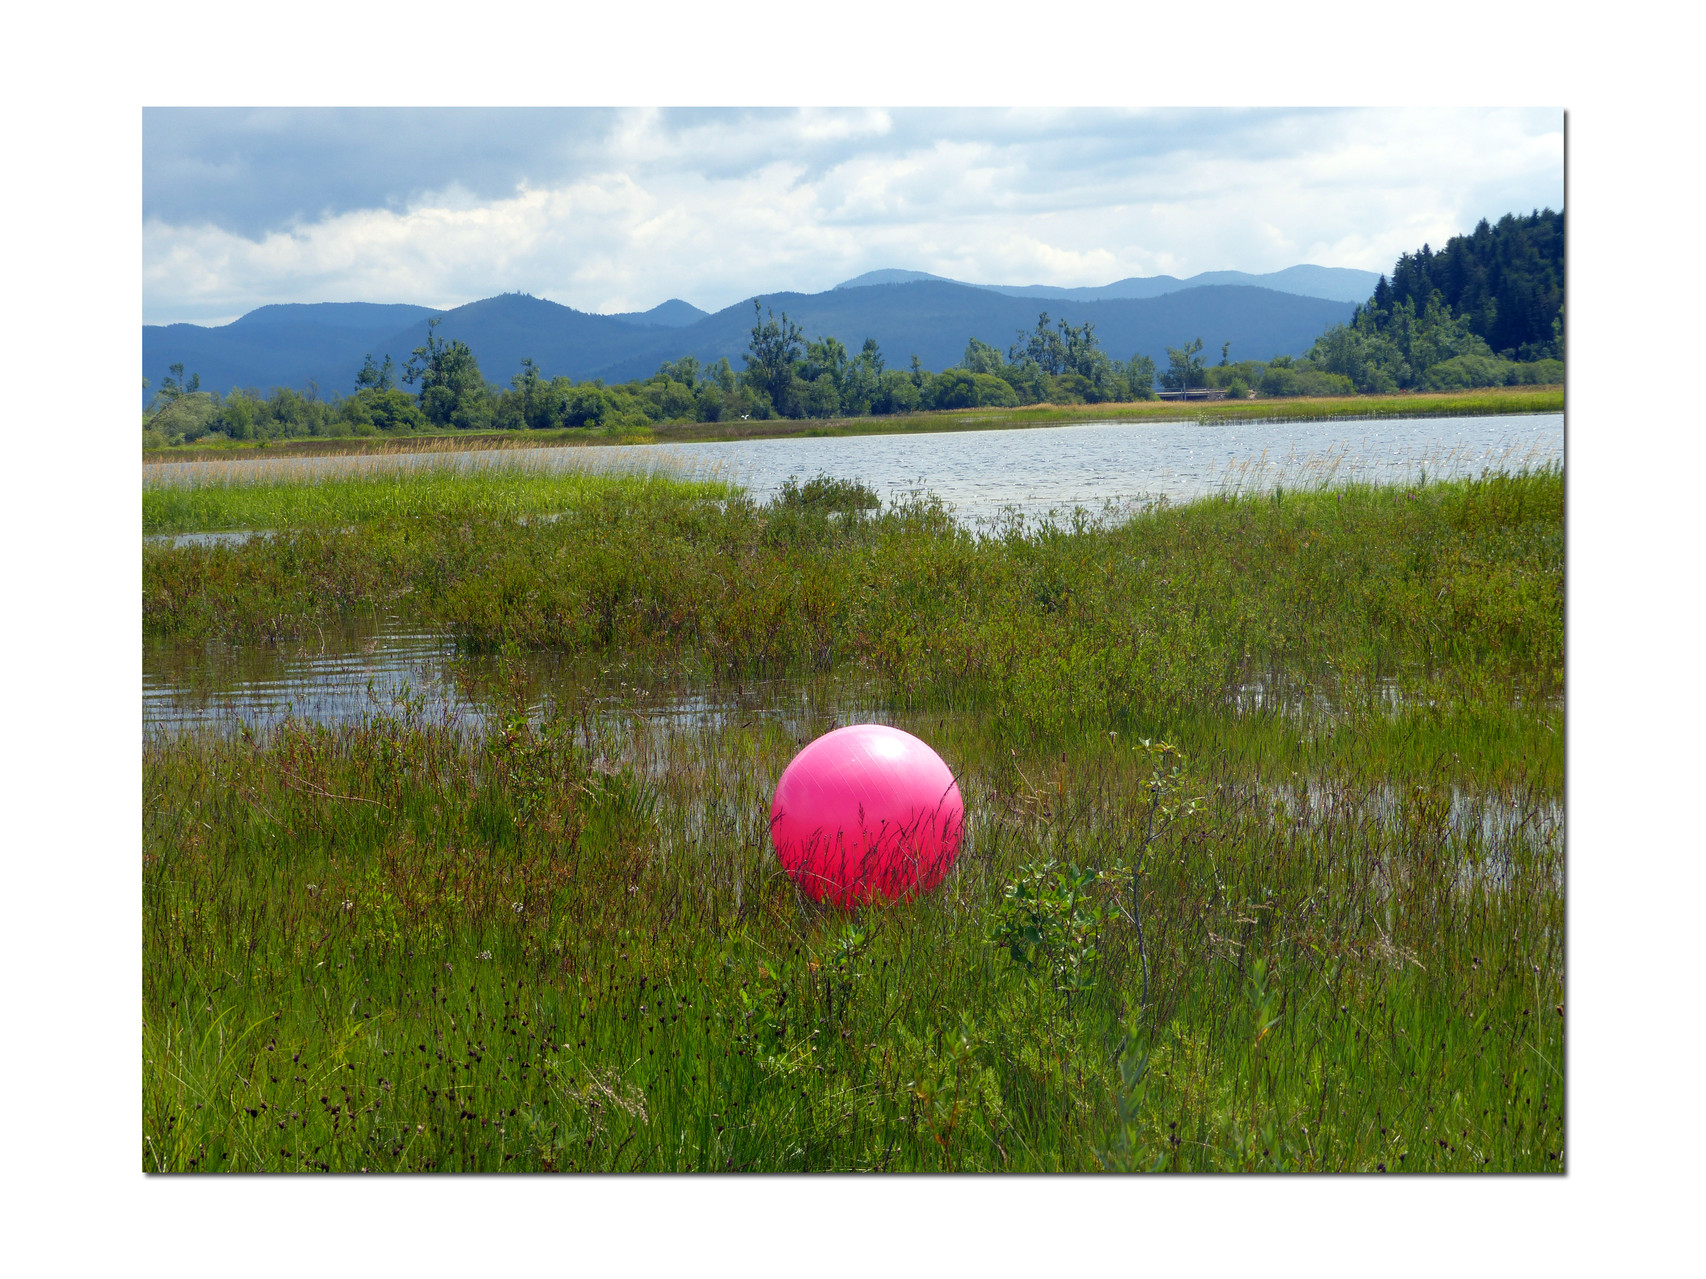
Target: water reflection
<point>331,677</point>
<point>230,537</point>
<point>344,674</point>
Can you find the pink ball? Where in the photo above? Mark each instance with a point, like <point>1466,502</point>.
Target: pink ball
<point>866,811</point>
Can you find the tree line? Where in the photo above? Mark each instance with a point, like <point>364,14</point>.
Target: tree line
<point>1486,310</point>
<point>784,375</point>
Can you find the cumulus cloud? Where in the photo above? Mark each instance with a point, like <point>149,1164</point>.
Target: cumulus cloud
<point>618,210</point>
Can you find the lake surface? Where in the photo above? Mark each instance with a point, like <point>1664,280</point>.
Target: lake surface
<point>981,474</point>
<point>335,677</point>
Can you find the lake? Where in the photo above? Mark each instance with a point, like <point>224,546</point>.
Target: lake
<point>981,474</point>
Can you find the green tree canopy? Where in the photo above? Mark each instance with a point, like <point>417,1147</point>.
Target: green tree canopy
<point>175,387</point>
<point>453,391</point>
<point>1185,367</point>
<point>825,356</point>
<point>1506,279</point>
<point>1042,346</point>
<point>685,370</point>
<point>1140,376</point>
<point>376,377</point>
<point>980,357</point>
<point>770,355</point>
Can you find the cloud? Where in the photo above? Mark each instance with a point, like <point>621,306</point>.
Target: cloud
<point>618,210</point>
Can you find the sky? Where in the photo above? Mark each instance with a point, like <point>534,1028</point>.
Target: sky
<point>619,210</point>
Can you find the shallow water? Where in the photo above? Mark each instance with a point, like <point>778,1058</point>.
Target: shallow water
<point>345,674</point>
<point>1491,824</point>
<point>341,676</point>
<point>231,537</point>
<point>329,678</point>
<point>981,474</point>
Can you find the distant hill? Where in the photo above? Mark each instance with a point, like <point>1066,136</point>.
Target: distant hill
<point>1335,283</point>
<point>900,277</point>
<point>513,326</point>
<point>364,317</point>
<point>933,319</point>
<point>673,314</point>
<point>289,345</point>
<point>324,344</point>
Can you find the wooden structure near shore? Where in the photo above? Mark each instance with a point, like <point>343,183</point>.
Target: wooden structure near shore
<point>1194,393</point>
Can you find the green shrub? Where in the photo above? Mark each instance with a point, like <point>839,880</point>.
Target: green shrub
<point>188,417</point>
<point>1464,371</point>
<point>827,493</point>
<point>1536,373</point>
<point>369,411</point>
<point>1303,380</point>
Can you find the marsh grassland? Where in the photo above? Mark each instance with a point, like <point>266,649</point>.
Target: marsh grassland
<point>1264,866</point>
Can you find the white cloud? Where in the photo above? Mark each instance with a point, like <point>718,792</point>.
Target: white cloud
<point>715,208</point>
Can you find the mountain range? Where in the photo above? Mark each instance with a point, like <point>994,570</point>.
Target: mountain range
<point>323,344</point>
<point>1335,283</point>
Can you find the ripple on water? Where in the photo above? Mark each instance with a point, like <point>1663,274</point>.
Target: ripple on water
<point>982,474</point>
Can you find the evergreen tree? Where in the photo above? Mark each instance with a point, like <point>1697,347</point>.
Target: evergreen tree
<point>770,355</point>
<point>1507,279</point>
<point>176,387</point>
<point>453,391</point>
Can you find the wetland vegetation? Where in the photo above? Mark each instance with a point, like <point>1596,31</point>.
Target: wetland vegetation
<point>1263,865</point>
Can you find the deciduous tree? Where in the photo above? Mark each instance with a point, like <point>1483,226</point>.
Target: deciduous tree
<point>1185,367</point>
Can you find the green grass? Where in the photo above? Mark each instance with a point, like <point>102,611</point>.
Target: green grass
<point>565,944</point>
<point>292,496</point>
<point>1493,401</point>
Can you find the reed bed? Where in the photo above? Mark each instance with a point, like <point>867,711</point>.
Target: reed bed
<point>318,493</point>
<point>1263,474</point>
<point>264,451</point>
<point>511,455</point>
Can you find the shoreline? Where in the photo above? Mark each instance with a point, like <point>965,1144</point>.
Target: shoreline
<point>1484,402</point>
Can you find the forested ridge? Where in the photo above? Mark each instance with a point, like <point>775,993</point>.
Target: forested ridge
<point>1488,307</point>
<point>1506,280</point>
<point>1485,310</point>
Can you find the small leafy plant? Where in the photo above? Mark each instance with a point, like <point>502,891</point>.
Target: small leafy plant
<point>1049,922</point>
<point>1131,1149</point>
